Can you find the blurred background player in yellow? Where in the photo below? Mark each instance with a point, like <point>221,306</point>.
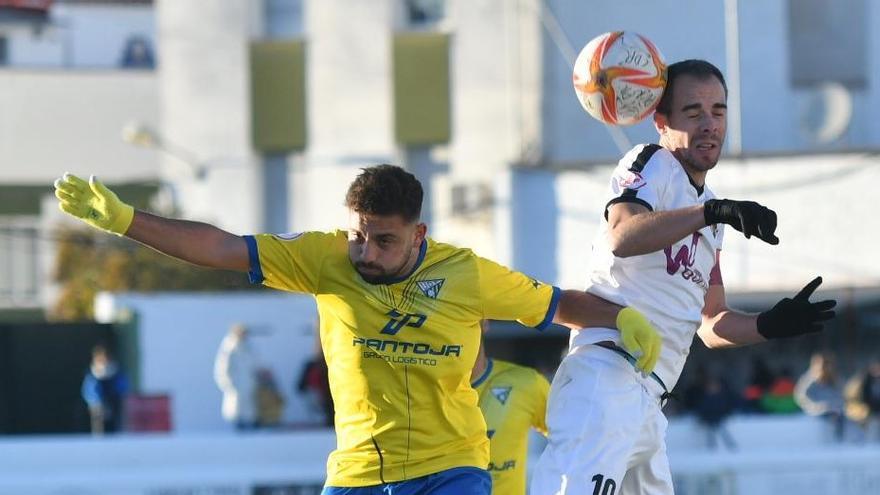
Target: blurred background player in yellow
<point>399,324</point>
<point>513,399</point>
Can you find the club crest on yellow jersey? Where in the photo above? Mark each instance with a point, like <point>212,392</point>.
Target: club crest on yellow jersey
<point>431,288</point>
<point>501,393</point>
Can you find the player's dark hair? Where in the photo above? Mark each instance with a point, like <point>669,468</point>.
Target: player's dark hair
<point>692,67</point>
<point>386,190</point>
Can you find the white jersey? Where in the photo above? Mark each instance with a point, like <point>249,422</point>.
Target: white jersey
<point>668,286</point>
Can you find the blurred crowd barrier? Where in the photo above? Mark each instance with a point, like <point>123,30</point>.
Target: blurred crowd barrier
<point>774,456</point>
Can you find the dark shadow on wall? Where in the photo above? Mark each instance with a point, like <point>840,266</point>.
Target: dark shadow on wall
<point>41,373</point>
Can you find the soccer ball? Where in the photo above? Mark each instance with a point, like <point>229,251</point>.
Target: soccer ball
<point>619,77</point>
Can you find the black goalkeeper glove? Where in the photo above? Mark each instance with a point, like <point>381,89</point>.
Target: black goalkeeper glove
<point>748,217</point>
<point>798,316</point>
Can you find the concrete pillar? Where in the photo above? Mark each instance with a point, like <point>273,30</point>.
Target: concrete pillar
<point>204,96</point>
<point>350,104</point>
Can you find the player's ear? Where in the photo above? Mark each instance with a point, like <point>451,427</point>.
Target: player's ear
<point>420,233</point>
<point>660,123</point>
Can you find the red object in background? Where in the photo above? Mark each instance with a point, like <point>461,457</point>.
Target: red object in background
<point>148,413</point>
<point>782,386</point>
<point>42,5</point>
<point>753,392</point>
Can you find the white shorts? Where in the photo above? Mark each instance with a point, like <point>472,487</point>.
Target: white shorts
<point>606,430</point>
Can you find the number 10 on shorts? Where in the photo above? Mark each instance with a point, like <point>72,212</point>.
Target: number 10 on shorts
<point>603,486</point>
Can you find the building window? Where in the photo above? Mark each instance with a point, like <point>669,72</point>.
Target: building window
<point>828,42</point>
<point>283,19</point>
<point>19,264</point>
<point>424,13</point>
<point>137,53</point>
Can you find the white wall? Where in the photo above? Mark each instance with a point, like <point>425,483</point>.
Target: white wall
<point>485,65</point>
<point>204,105</point>
<point>495,107</point>
<point>57,121</point>
<point>318,195</point>
<point>349,104</point>
<point>179,335</point>
<point>349,82</point>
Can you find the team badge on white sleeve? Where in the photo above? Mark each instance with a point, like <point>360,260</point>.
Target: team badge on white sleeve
<point>631,180</point>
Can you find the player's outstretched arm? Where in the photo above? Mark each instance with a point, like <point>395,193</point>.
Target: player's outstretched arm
<point>796,316</point>
<point>790,317</point>
<point>748,217</point>
<point>634,230</point>
<point>579,309</point>
<point>195,242</point>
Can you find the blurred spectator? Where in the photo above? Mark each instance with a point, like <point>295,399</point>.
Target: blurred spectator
<point>315,386</point>
<point>817,392</point>
<point>779,398</point>
<point>104,388</point>
<point>137,54</point>
<point>235,372</point>
<point>270,403</point>
<point>871,387</point>
<point>693,392</point>
<point>863,399</point>
<point>715,404</point>
<point>760,381</point>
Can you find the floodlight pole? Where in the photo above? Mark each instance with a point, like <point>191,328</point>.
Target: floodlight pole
<point>139,134</point>
<point>566,49</point>
<point>143,136</point>
<point>734,105</point>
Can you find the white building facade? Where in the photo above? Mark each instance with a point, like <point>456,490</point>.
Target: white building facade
<point>514,173</point>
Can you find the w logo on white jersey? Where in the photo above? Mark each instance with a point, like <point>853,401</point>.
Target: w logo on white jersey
<point>684,256</point>
<point>431,288</point>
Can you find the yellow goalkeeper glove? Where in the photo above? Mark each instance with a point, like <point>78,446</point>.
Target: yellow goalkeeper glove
<point>640,338</point>
<point>93,203</point>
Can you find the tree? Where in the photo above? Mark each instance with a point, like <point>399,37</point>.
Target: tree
<point>89,261</point>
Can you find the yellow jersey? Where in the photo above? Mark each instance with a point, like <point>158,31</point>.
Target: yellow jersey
<point>513,399</point>
<point>399,355</point>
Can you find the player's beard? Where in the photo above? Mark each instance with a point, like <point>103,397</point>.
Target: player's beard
<point>380,275</point>
<point>689,156</point>
<point>695,164</point>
